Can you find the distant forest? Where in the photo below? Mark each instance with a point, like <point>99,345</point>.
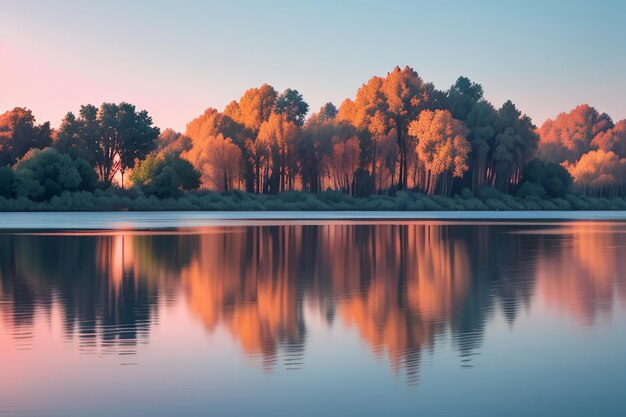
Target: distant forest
<point>399,134</point>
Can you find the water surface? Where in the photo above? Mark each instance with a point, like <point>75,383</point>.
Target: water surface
<point>201,316</point>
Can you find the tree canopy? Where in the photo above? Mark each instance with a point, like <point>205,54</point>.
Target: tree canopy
<point>112,137</point>
<point>397,132</point>
<point>19,133</point>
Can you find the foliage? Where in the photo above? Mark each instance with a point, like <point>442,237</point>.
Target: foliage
<point>442,147</point>
<point>165,176</point>
<point>111,137</point>
<point>552,178</point>
<point>19,134</point>
<point>172,142</point>
<point>42,174</point>
<point>6,182</point>
<point>570,135</point>
<point>291,104</point>
<point>398,133</point>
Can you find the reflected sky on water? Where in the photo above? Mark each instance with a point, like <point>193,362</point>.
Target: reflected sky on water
<point>315,319</point>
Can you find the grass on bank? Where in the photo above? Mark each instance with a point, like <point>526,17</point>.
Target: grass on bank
<point>115,199</point>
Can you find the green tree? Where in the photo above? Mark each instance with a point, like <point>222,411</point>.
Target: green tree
<point>291,104</point>
<point>165,175</point>
<point>327,112</point>
<point>42,174</point>
<point>515,144</point>
<point>481,122</point>
<point>462,96</point>
<point>112,137</point>
<point>553,178</point>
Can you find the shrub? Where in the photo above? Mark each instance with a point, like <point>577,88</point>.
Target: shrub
<point>555,180</point>
<point>165,176</point>
<point>42,174</point>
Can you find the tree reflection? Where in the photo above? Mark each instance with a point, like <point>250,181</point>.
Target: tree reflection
<point>402,287</point>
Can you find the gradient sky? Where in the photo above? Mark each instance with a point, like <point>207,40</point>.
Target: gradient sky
<point>176,58</point>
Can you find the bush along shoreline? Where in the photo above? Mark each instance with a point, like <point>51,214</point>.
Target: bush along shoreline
<point>489,199</point>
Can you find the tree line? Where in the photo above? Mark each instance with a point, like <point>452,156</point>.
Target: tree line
<point>397,133</point>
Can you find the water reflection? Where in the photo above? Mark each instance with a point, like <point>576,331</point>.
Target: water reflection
<point>402,287</point>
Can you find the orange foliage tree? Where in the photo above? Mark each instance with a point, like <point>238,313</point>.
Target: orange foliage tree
<point>218,160</point>
<point>277,143</point>
<point>442,147</point>
<point>599,173</point>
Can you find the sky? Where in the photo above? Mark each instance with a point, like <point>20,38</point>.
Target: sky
<point>176,58</point>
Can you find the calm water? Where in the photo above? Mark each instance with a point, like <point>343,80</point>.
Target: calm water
<point>327,318</point>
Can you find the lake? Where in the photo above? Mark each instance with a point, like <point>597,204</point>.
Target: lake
<point>189,314</point>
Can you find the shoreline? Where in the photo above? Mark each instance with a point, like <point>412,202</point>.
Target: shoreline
<point>161,220</point>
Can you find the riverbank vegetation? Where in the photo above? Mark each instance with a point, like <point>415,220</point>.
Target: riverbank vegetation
<point>398,144</point>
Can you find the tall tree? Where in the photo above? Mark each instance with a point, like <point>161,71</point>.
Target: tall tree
<point>599,173</point>
<point>481,122</point>
<point>79,136</point>
<point>291,104</point>
<point>253,109</point>
<point>406,95</point>
<point>111,137</point>
<point>570,135</point>
<point>19,134</point>
<point>327,112</point>
<point>172,142</point>
<point>613,139</point>
<point>218,160</point>
<point>462,96</point>
<point>442,147</point>
<point>368,113</point>
<point>385,104</point>
<point>315,148</point>
<point>278,136</point>
<point>515,144</point>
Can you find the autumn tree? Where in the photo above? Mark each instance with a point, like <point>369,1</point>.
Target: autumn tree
<point>612,140</point>
<point>406,95</point>
<point>211,123</point>
<point>442,147</point>
<point>112,137</point>
<point>599,173</point>
<point>388,175</point>
<point>570,135</point>
<point>315,147</point>
<point>385,104</point>
<point>172,142</point>
<point>251,111</point>
<point>343,163</point>
<point>19,133</point>
<point>368,114</point>
<point>277,137</point>
<point>254,107</point>
<point>218,160</point>
<point>218,145</point>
